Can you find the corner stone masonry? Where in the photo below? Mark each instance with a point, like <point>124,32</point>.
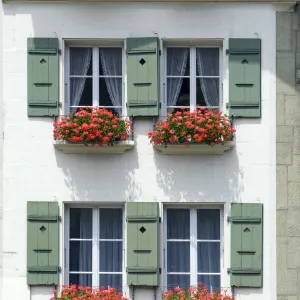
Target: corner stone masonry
<point>288,155</point>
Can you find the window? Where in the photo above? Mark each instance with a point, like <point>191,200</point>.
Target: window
<point>193,248</point>
<point>95,78</point>
<point>95,247</point>
<point>192,77</point>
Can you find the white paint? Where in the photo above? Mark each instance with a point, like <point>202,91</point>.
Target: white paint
<point>34,170</point>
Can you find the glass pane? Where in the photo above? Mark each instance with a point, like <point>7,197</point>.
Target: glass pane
<point>110,256</point>
<point>178,224</point>
<point>183,281</point>
<point>178,61</point>
<point>111,280</point>
<point>81,91</point>
<point>178,257</point>
<point>111,220</point>
<point>178,92</point>
<point>81,223</point>
<point>208,257</point>
<point>208,62</point>
<point>208,224</point>
<point>81,279</point>
<point>81,61</point>
<point>81,256</point>
<point>213,282</point>
<point>110,91</point>
<point>207,92</point>
<point>110,61</point>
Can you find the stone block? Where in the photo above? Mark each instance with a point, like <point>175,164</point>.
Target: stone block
<point>295,21</point>
<point>296,144</point>
<point>293,257</point>
<point>284,153</point>
<point>281,187</point>
<point>293,223</point>
<point>292,110</point>
<point>281,253</point>
<point>281,221</point>
<point>294,194</point>
<point>280,109</point>
<point>287,298</point>
<point>285,71</point>
<point>294,170</point>
<point>287,282</point>
<point>283,31</point>
<point>284,134</point>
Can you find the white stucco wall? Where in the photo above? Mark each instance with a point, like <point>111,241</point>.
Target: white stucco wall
<point>33,170</point>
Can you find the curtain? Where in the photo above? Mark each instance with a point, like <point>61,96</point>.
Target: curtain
<point>111,61</point>
<point>208,65</point>
<point>80,59</point>
<point>176,66</point>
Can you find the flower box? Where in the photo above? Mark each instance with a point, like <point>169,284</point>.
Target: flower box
<point>79,148</point>
<point>195,149</point>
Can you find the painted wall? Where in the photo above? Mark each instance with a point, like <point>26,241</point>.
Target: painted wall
<point>33,170</point>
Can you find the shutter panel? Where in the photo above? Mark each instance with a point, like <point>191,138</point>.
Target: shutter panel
<point>142,244</point>
<point>246,245</point>
<point>142,76</point>
<point>245,78</point>
<point>43,77</point>
<point>42,243</point>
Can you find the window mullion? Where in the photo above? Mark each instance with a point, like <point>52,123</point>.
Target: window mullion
<point>193,246</point>
<point>95,261</point>
<point>192,78</point>
<point>96,101</point>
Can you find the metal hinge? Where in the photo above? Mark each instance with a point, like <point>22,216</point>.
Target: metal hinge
<point>159,219</point>
<point>60,104</point>
<point>159,52</point>
<point>59,51</point>
<point>159,269</point>
<point>227,51</point>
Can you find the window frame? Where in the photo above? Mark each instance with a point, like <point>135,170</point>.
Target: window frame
<point>96,72</point>
<point>193,241</point>
<point>95,241</point>
<point>193,75</point>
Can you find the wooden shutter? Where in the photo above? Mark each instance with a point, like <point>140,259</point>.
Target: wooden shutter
<point>43,77</point>
<point>42,243</point>
<point>245,78</point>
<point>142,76</point>
<point>142,244</point>
<point>246,245</point>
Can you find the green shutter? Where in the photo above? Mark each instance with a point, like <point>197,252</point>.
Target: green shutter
<point>42,243</point>
<point>245,78</point>
<point>142,76</point>
<point>142,244</point>
<point>246,245</point>
<point>43,77</point>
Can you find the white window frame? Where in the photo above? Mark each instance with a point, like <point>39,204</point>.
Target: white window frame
<point>193,243</point>
<point>193,76</point>
<point>95,248</point>
<point>96,74</point>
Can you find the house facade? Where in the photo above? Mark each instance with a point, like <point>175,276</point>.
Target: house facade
<point>134,216</point>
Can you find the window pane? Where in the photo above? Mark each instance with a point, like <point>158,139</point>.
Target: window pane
<point>178,92</point>
<point>207,91</point>
<point>207,61</point>
<point>81,279</point>
<point>81,223</point>
<point>208,257</point>
<point>111,280</point>
<point>81,61</point>
<point>81,92</point>
<point>178,257</point>
<point>183,281</point>
<point>208,224</point>
<point>178,61</point>
<point>81,256</point>
<point>110,256</point>
<point>110,61</point>
<point>110,91</point>
<point>111,220</point>
<point>178,224</point>
<point>213,282</point>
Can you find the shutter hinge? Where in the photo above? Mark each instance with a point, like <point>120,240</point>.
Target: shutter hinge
<point>227,105</point>
<point>60,104</point>
<point>227,51</point>
<point>159,270</point>
<point>159,105</point>
<point>59,51</point>
<point>59,218</point>
<point>59,269</point>
<point>159,52</point>
<point>159,219</point>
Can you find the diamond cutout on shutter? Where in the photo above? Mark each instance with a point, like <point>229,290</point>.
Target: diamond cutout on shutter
<point>142,229</point>
<point>43,228</point>
<point>142,61</point>
<point>246,229</point>
<point>42,61</point>
<point>245,61</point>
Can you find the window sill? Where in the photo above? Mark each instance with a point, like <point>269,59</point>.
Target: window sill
<point>73,148</point>
<point>195,149</point>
